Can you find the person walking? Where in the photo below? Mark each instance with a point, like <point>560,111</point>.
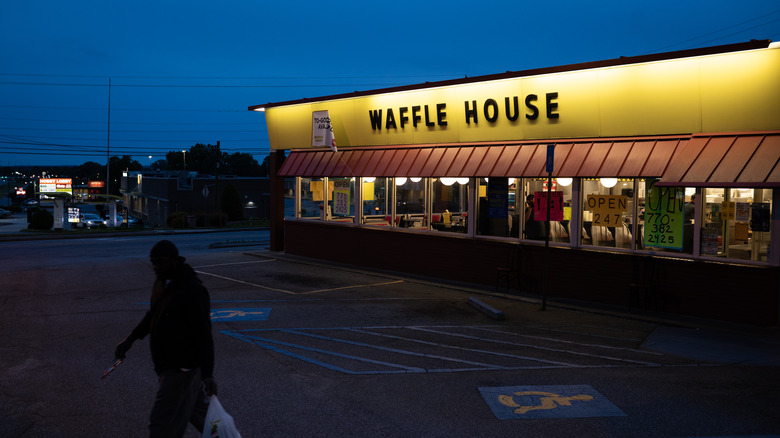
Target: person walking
<point>179,327</point>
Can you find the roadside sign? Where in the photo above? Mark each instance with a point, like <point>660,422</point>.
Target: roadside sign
<point>550,157</point>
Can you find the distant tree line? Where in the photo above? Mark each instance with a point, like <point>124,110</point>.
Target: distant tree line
<point>201,158</point>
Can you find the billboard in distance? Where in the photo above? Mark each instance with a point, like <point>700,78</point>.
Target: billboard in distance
<point>56,185</point>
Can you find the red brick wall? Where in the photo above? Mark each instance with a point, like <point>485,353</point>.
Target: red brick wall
<point>706,289</point>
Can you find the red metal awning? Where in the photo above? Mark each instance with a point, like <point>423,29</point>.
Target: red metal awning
<point>744,160</point>
<point>727,160</point>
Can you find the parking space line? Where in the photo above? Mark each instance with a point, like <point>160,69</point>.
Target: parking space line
<point>247,283</point>
<point>234,263</point>
<point>393,350</point>
<point>261,341</point>
<point>563,341</point>
<point>495,353</point>
<point>351,287</point>
<point>557,350</point>
<point>354,286</point>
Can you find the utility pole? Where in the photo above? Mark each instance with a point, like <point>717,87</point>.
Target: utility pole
<point>108,141</point>
<point>216,184</point>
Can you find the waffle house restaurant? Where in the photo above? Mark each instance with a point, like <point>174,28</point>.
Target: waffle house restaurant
<point>648,183</point>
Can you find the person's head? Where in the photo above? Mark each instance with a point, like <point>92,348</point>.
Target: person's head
<point>529,199</point>
<point>165,259</point>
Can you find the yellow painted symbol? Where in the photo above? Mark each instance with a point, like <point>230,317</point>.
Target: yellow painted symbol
<point>548,400</point>
<point>227,314</point>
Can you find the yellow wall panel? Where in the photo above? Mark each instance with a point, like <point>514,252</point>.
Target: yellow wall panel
<point>726,92</point>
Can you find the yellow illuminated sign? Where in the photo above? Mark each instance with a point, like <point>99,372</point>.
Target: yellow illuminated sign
<point>736,91</point>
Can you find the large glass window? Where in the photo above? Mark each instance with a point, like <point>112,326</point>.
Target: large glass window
<point>311,198</point>
<point>341,200</point>
<point>449,204</point>
<point>534,209</point>
<point>376,207</point>
<point>736,223</point>
<point>410,203</point>
<point>607,214</point>
<point>493,201</point>
<point>665,217</point>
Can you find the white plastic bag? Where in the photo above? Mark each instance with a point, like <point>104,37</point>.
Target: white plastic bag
<point>218,423</point>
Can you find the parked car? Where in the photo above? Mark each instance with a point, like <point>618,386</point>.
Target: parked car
<point>90,220</point>
<point>133,222</point>
<point>5,213</point>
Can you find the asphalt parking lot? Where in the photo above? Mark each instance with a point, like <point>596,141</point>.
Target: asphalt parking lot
<point>311,349</point>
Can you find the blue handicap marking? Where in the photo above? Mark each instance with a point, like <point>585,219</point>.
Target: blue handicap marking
<point>566,401</point>
<point>233,315</point>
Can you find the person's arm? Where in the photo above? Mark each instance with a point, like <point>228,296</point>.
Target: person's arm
<point>200,319</point>
<point>142,329</point>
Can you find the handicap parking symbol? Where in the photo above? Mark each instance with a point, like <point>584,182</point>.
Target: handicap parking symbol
<point>233,315</point>
<point>568,401</point>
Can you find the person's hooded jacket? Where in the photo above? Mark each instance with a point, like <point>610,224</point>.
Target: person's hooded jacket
<point>179,324</point>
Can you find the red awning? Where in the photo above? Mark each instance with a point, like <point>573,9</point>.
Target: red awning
<point>727,160</point>
<point>629,158</point>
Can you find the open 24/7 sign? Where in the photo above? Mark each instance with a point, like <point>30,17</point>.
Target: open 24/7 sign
<point>607,209</point>
<point>664,216</point>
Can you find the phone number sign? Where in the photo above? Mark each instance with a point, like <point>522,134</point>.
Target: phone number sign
<point>664,216</point>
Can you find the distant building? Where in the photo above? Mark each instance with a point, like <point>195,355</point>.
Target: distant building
<point>152,196</point>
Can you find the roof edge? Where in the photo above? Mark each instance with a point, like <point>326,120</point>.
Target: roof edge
<point>623,60</point>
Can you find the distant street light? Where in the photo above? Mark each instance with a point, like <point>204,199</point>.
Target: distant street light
<point>185,159</point>
<point>150,162</point>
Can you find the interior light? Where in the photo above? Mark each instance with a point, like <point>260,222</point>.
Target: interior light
<point>565,182</point>
<point>462,181</point>
<point>400,181</point>
<point>608,182</point>
<point>448,181</point>
<point>415,179</point>
<point>511,181</point>
<point>369,179</point>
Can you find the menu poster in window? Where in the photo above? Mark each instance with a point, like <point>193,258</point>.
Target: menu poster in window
<point>607,209</point>
<point>316,190</point>
<point>556,206</point>
<point>759,217</point>
<point>498,198</point>
<point>664,216</point>
<point>728,210</point>
<point>341,199</point>
<point>709,239</point>
<point>743,212</point>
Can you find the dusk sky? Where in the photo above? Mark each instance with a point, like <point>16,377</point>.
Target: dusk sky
<point>184,72</point>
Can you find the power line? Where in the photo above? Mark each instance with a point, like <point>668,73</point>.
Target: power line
<point>128,123</point>
<point>64,84</point>
<point>126,131</point>
<point>244,111</point>
<point>723,29</point>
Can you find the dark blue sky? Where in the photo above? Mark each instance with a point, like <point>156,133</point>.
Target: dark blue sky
<point>184,72</point>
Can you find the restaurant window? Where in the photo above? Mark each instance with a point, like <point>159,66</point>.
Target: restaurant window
<point>665,217</point>
<point>311,198</point>
<point>607,212</point>
<point>736,223</point>
<point>376,205</point>
<point>494,198</point>
<point>289,198</point>
<point>533,209</point>
<point>341,200</point>
<point>410,203</point>
<point>449,204</point>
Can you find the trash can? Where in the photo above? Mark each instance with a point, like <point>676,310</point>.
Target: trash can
<point>191,221</point>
